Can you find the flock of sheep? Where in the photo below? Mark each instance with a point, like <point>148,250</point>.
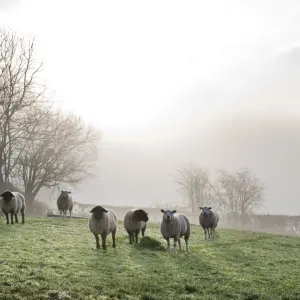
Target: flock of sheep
<point>104,221</point>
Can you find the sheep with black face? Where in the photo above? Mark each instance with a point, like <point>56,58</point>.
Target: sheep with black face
<point>135,221</point>
<point>65,203</point>
<point>103,221</point>
<point>208,220</point>
<point>175,226</point>
<point>11,203</point>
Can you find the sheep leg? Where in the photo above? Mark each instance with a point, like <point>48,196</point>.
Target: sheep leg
<point>103,237</point>
<point>7,219</point>
<point>213,234</point>
<point>97,241</point>
<point>209,233</point>
<point>130,238</point>
<point>16,218</point>
<point>205,233</point>
<point>70,214</point>
<point>23,216</point>
<point>11,218</point>
<point>168,242</point>
<point>179,243</point>
<point>143,230</point>
<point>186,243</point>
<point>175,242</point>
<point>136,237</point>
<point>114,238</point>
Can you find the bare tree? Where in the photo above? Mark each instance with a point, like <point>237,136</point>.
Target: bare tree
<point>194,185</point>
<point>238,194</point>
<point>61,149</point>
<point>20,88</point>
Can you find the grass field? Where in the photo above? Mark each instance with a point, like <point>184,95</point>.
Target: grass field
<point>57,259</point>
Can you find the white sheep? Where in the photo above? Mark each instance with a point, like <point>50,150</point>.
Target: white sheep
<point>103,222</point>
<point>65,203</point>
<point>134,223</point>
<point>208,220</point>
<point>175,226</point>
<point>11,203</point>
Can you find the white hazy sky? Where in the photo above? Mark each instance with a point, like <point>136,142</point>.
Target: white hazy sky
<point>147,72</point>
<point>127,65</point>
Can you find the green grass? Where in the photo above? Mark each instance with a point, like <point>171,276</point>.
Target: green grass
<point>57,259</point>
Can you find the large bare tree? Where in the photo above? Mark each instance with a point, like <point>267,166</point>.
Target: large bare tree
<point>194,185</point>
<point>61,149</point>
<point>238,194</point>
<point>20,88</point>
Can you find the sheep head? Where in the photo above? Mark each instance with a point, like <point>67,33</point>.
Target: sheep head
<point>168,214</point>
<point>141,215</point>
<point>98,212</point>
<point>64,194</point>
<point>7,196</point>
<point>206,211</point>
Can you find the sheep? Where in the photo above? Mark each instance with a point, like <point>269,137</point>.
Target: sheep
<point>135,222</point>
<point>103,222</point>
<point>11,203</point>
<point>208,220</point>
<point>65,203</point>
<point>175,226</point>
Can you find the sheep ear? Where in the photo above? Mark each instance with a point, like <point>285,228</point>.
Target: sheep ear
<point>94,209</point>
<point>104,210</point>
<point>162,211</point>
<point>69,192</point>
<point>200,207</point>
<point>174,211</point>
<point>209,207</point>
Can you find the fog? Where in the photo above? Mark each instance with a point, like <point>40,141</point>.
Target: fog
<point>212,84</point>
<point>264,138</point>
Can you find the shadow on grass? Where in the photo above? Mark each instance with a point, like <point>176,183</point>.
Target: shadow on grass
<point>151,244</point>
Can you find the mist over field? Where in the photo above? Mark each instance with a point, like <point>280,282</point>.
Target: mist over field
<point>261,132</point>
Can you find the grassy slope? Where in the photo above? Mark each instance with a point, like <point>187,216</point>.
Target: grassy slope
<point>57,259</point>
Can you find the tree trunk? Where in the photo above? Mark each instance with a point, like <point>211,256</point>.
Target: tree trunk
<point>29,199</point>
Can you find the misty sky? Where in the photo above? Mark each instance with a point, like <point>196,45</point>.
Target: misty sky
<point>172,82</point>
